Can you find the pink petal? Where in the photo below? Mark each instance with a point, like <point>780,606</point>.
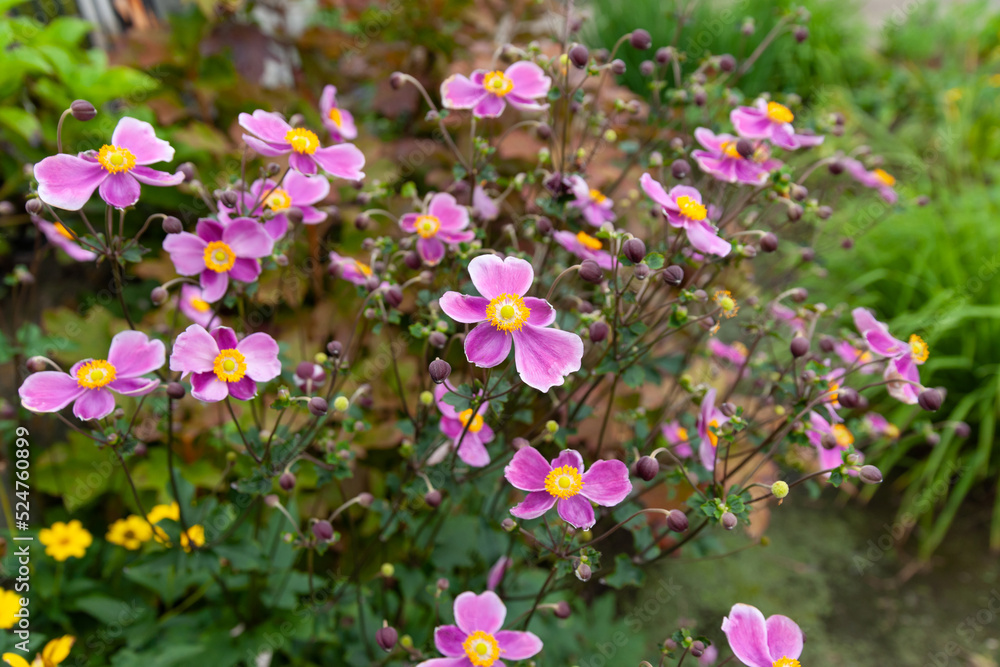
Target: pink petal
<point>655,190</point>
<point>224,337</point>
<point>751,123</point>
<point>448,662</point>
<point>248,238</point>
<point>408,223</point>
<point>518,645</point>
<point>245,270</point>
<point>568,457</point>
<point>187,252</point>
<point>68,181</point>
<point>525,104</point>
<point>49,391</point>
<point>266,149</point>
<point>243,390</point>
<point>534,505</point>
<point>576,511</point>
<point>880,342</point>
<point>261,352</point>
<point>486,346</point>
<point>431,250</point>
<point>209,230</point>
<point>209,388</point>
<point>784,638</point>
<point>304,164</point>
<point>132,354</point>
<point>746,631</point>
<point>267,125</point>
<point>705,239</point>
<point>459,92</point>
<point>151,176</point>
<point>710,140</point>
<point>140,138</point>
<point>452,216</point>
<point>493,276</point>
<point>472,451</point>
<point>544,357</point>
<point>490,106</point>
<point>94,404</point>
<point>865,321</point>
<point>213,285</point>
<point>134,386</point>
<point>463,308</point>
<point>194,351</point>
<point>448,640</point>
<point>527,470</point>
<point>305,190</point>
<point>542,313</point>
<point>68,246</point>
<point>484,612</point>
<point>120,190</point>
<point>529,80</point>
<point>343,161</point>
<point>484,206</point>
<point>452,238</point>
<point>606,483</point>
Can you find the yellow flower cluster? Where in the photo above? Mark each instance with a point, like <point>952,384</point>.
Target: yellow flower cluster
<point>65,540</point>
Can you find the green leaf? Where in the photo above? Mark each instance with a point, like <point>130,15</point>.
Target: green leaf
<point>20,122</point>
<point>625,574</point>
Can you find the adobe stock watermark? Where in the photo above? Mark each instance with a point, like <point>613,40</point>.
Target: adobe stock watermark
<point>967,630</point>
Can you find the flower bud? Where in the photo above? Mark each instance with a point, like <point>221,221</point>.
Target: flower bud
<point>640,39</point>
<point>433,498</point>
<point>579,56</point>
<point>562,609</point>
<point>598,331</point>
<point>801,33</point>
<point>323,530</point>
<point>646,468</point>
<point>341,403</point>
<point>437,339</point>
<point>962,430</point>
<point>727,63</point>
<point>175,390</point>
<point>443,584</point>
<point>439,370</point>
<point>583,572</point>
<point>318,406</point>
<point>680,169</point>
<point>664,54</point>
<point>394,296</point>
<point>848,398</point>
<point>794,212</point>
<point>799,294</point>
<point>618,66</point>
<point>271,499</point>
<point>172,225</point>
<point>729,520</point>
<point>287,481</point>
<point>799,346</point>
<point>824,212</point>
<point>673,275</point>
<point>159,295</point>
<point>34,206</point>
<point>634,249</point>
<point>508,524</point>
<point>386,637</point>
<point>930,400</point>
<point>591,272</point>
<point>36,364</point>
<point>82,110</point>
<point>769,242</point>
<point>641,271</point>
<point>870,475</point>
<point>229,198</point>
<point>427,398</point>
<point>647,67</point>
<point>779,489</point>
<point>396,80</point>
<point>697,649</point>
<point>387,570</point>
<point>677,521</point>
<point>552,426</point>
<point>334,348</point>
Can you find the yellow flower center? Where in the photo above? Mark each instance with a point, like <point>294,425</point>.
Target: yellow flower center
<point>682,433</point>
<point>598,196</point>
<point>482,649</point>
<point>63,231</point>
<point>729,148</point>
<point>564,482</point>
<point>427,226</point>
<point>892,431</point>
<point>498,83</point>
<point>302,140</point>
<point>336,117</point>
<point>95,374</point>
<point>918,349</point>
<point>200,305</point>
<point>779,113</point>
<point>219,257</point>
<point>588,241</point>
<point>473,424</point>
<point>691,209</point>
<point>507,312</point>
<point>713,437</point>
<point>230,365</point>
<point>786,662</point>
<point>115,159</point>
<point>364,268</point>
<point>278,200</point>
<point>885,177</point>
<point>724,299</point>
<point>834,393</point>
<point>843,436</point>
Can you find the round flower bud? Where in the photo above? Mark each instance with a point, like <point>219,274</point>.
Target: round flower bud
<point>598,331</point>
<point>175,390</point>
<point>618,66</point>
<point>799,346</point>
<point>697,649</point>
<point>646,468</point>
<point>365,499</point>
<point>427,398</point>
<point>552,426</point>
<point>829,441</point>
<point>808,254</point>
<point>583,572</point>
<point>519,443</point>
<point>287,481</point>
<point>933,439</point>
<point>394,296</point>
<point>591,272</point>
<point>334,348</point>
<point>801,33</point>
<point>827,344</point>
<point>779,489</point>
<point>647,67</point>
<point>848,398</point>
<point>437,339</point>
<point>677,521</point>
<point>36,364</point>
<point>870,475</point>
<point>641,271</point>
<point>439,370</point>
<point>729,520</point>
<point>579,56</point>
<point>664,54</point>
<point>172,225</point>
<point>229,198</point>
<point>387,636</point>
<point>728,409</point>
<point>443,584</point>
<point>930,400</point>
<point>82,110</point>
<point>508,524</point>
<point>412,260</point>
<point>323,530</point>
<point>433,498</point>
<point>34,206</point>
<point>680,169</point>
<point>396,80</point>
<point>634,250</point>
<point>794,212</point>
<point>387,570</point>
<point>159,295</point>
<point>769,242</point>
<point>727,63</point>
<point>562,609</point>
<point>640,39</point>
<point>824,212</point>
<point>673,275</point>
<point>799,294</point>
<point>341,403</point>
<point>271,500</point>
<point>318,406</point>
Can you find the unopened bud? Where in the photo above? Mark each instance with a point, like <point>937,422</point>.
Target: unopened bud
<point>287,481</point>
<point>394,296</point>
<point>848,398</point>
<point>801,33</point>
<point>930,400</point>
<point>439,370</point>
<point>799,346</point>
<point>229,198</point>
<point>583,572</point>
<point>437,339</point>
<point>727,63</point>
<point>729,520</point>
<point>579,56</point>
<point>562,609</point>
<point>323,530</point>
<point>870,474</point>
<point>591,272</point>
<point>677,521</point>
<point>433,498</point>
<point>646,468</point>
<point>680,169</point>
<point>159,295</point>
<point>172,225</point>
<point>175,390</point>
<point>318,406</point>
<point>427,398</point>
<point>34,206</point>
<point>386,637</point>
<point>634,250</point>
<point>618,66</point>
<point>334,348</point>
<point>779,489</point>
<point>82,110</point>
<point>697,649</point>
<point>598,332</point>
<point>673,275</point>
<point>508,525</point>
<point>341,403</point>
<point>640,39</point>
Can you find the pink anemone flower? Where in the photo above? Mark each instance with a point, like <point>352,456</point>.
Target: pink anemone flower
<point>116,171</point>
<point>852,355</point>
<point>684,210</point>
<point>476,639</point>
<point>472,447</point>
<point>710,420</point>
<point>63,239</point>
<point>295,191</point>
<point>829,454</point>
<point>677,437</point>
<point>484,207</point>
<point>350,269</point>
<point>735,353</point>
<point>443,222</point>
<point>903,358</point>
<point>195,307</point>
<point>585,246</point>
<point>772,121</point>
<point>775,642</point>
<point>339,122</point>
<point>721,159</point>
<point>487,93</point>
<point>221,366</point>
<point>564,483</point>
<point>271,136</point>
<point>218,253</point>
<point>789,316</point>
<point>879,179</point>
<point>593,204</point>
<point>504,316</point>
<point>89,383</point>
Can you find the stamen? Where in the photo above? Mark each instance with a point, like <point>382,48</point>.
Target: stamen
<point>95,374</point>
<point>507,312</point>
<point>219,257</point>
<point>498,83</point>
<point>427,226</point>
<point>115,159</point>
<point>302,140</point>
<point>564,482</point>
<point>588,241</point>
<point>918,349</point>
<point>779,113</point>
<point>466,417</point>
<point>230,365</point>
<point>691,208</point>
<point>278,200</point>
<point>481,648</point>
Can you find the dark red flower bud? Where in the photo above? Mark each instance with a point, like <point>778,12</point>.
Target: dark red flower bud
<point>439,370</point>
<point>82,110</point>
<point>175,390</point>
<point>799,346</point>
<point>769,242</point>
<point>646,468</point>
<point>930,400</point>
<point>729,520</point>
<point>647,67</point>
<point>598,331</point>
<point>34,206</point>
<point>562,609</point>
<point>318,406</point>
<point>634,249</point>
<point>394,296</point>
<point>962,430</point>
<point>697,649</point>
<point>387,636</point>
<point>396,80</point>
<point>172,225</point>
<point>618,66</point>
<point>433,498</point>
<point>677,521</point>
<point>680,169</point>
<point>640,39</point>
<point>801,33</point>
<point>229,198</point>
<point>870,475</point>
<point>437,339</point>
<point>727,63</point>
<point>673,275</point>
<point>287,481</point>
<point>591,272</point>
<point>579,55</point>
<point>323,530</point>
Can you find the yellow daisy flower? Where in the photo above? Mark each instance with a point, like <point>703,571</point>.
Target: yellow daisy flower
<point>131,532</point>
<point>65,540</point>
<point>195,534</point>
<point>10,604</point>
<point>54,653</point>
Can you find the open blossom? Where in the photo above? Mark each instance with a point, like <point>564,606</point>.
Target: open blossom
<point>584,246</point>
<point>221,366</point>
<point>852,355</point>
<point>564,483</point>
<point>789,316</point>
<point>443,222</point>
<point>53,654</point>
<point>879,425</point>
<point>487,93</point>
<point>595,206</point>
<point>721,159</point>
<point>879,179</point>
<point>115,171</point>
<point>195,307</point>
<point>483,206</point>
<point>772,121</point>
<point>131,532</point>
<point>477,433</point>
<point>271,136</point>
<point>505,317</point>
<point>735,353</point>
<point>677,437</point>
<point>476,639</point>
<point>216,253</point>
<point>684,210</point>
<point>710,421</point>
<point>295,191</point>
<point>903,358</point>
<point>65,540</point>
<point>349,269</point>
<point>63,239</point>
<point>842,438</point>
<point>89,383</point>
<point>339,122</point>
<point>756,642</point>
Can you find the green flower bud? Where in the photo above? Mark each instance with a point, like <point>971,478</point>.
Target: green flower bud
<point>551,426</point>
<point>341,403</point>
<point>426,397</point>
<point>779,489</point>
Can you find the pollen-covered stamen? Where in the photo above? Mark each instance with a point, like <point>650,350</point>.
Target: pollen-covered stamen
<point>564,482</point>
<point>200,305</point>
<point>498,83</point>
<point>95,374</point>
<point>729,148</point>
<point>302,140</point>
<point>588,241</point>
<point>597,196</point>
<point>884,176</point>
<point>918,349</point>
<point>834,394</point>
<point>724,299</point>
<point>364,268</point>
<point>691,208</point>
<point>507,312</point>
<point>278,200</point>
<point>470,423</point>
<point>481,648</point>
<point>219,257</point>
<point>786,662</point>
<point>115,159</point>
<point>63,231</point>
<point>843,436</point>
<point>427,226</point>
<point>336,116</point>
<point>713,437</point>
<point>230,365</point>
<point>779,113</point>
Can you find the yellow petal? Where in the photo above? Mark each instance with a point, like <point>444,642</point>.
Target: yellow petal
<point>14,660</point>
<point>57,650</point>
